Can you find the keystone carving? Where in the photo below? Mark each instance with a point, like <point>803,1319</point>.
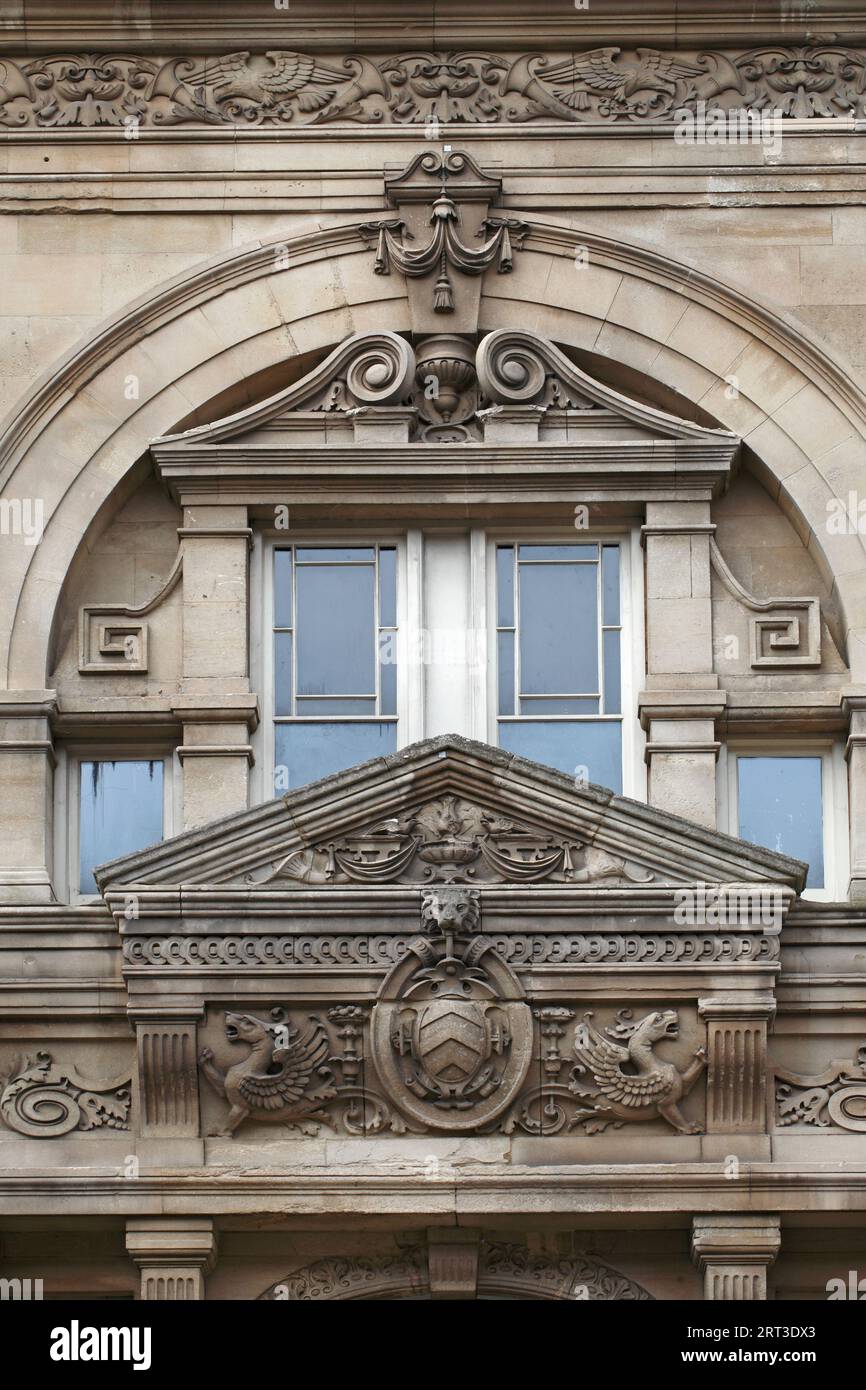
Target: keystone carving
<point>433,89</point>
<point>835,1098</point>
<point>445,250</point>
<point>44,1100</point>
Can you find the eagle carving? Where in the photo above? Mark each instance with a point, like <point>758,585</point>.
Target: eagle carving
<point>267,79</point>
<point>631,1082</point>
<point>283,1076</point>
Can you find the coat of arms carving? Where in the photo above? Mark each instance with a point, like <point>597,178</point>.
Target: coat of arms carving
<point>451,1032</point>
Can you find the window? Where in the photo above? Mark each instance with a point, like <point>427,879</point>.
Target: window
<point>793,802</point>
<point>121,808</point>
<point>559,660</point>
<point>334,658</point>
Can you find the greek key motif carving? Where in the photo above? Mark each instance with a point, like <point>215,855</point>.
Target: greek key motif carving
<point>835,1098</point>
<point>283,88</point>
<point>44,1100</point>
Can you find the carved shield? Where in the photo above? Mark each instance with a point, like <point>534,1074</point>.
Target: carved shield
<point>451,1041</point>
<point>451,1063</point>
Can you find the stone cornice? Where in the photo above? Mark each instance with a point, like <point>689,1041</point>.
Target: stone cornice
<point>292,83</point>
<point>571,1190</point>
<point>203,26</point>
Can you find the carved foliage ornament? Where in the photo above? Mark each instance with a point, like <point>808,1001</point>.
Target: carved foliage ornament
<point>835,1098</point>
<point>502,1269</point>
<point>43,1100</point>
<point>283,88</point>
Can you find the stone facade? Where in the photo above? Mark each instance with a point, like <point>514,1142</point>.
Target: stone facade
<point>448,1022</point>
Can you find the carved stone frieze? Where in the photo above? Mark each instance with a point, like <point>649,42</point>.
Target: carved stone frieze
<point>280,87</point>
<point>835,1098</point>
<point>43,1100</point>
<point>448,841</point>
<point>302,950</point>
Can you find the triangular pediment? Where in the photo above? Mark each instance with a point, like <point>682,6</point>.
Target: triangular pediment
<point>448,810</point>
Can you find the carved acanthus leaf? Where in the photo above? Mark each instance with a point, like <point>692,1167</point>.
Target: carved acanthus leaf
<point>44,1100</point>
<point>835,1098</point>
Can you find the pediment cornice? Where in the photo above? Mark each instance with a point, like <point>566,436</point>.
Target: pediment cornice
<point>443,810</point>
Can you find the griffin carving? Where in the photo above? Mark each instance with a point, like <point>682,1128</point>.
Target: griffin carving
<point>273,1082</point>
<point>648,1089</point>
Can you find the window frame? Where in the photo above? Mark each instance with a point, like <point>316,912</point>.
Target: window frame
<point>834,801</point>
<point>67,804</point>
<point>265,543</point>
<point>632,638</point>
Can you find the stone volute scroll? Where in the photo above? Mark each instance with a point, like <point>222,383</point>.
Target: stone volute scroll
<point>451,1031</point>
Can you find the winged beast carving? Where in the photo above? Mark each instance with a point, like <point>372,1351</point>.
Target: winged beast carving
<point>283,1076</point>
<point>630,1081</point>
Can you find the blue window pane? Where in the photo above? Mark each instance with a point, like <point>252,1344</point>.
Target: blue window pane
<point>387,587</point>
<point>569,747</point>
<point>283,672</point>
<point>282,588</point>
<point>120,811</point>
<point>612,674</point>
<point>387,688</point>
<point>321,554</point>
<point>336,646</point>
<point>780,806</point>
<point>549,704</point>
<point>539,553</point>
<point>311,751</point>
<point>610,585</point>
<point>505,642</point>
<point>335,705</point>
<point>505,586</point>
<point>558,629</point>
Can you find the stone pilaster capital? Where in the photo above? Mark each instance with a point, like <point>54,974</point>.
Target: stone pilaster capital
<point>749,1008</point>
<point>169,1242</point>
<point>735,1239</point>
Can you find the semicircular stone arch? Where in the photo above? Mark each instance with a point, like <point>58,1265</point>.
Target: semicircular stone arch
<point>504,1271</point>
<point>78,434</point>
